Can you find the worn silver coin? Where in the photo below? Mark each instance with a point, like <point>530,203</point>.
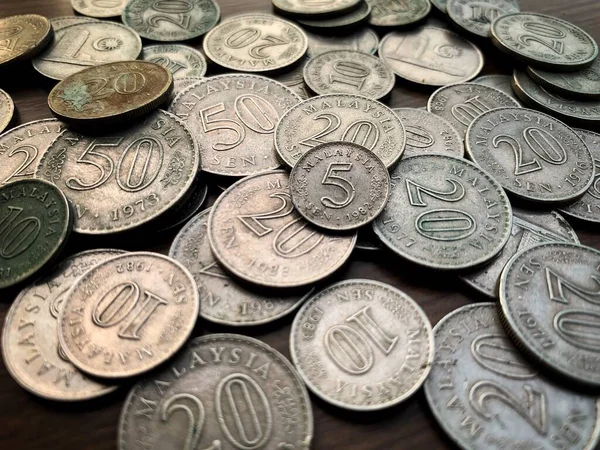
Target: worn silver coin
<point>583,84</point>
<point>294,80</point>
<point>476,16</point>
<point>501,82</point>
<point>397,13</point>
<point>303,8</point>
<point>440,5</point>
<point>180,85</point>
<point>445,213</point>
<point>364,40</point>
<point>485,394</point>
<point>99,8</point>
<point>182,214</point>
<point>64,21</point>
<point>7,110</point>
<point>348,21</point>
<point>181,60</point>
<point>532,155</point>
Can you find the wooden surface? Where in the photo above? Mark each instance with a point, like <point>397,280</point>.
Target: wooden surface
<point>27,422</point>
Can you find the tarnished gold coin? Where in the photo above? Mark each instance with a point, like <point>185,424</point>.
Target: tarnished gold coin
<point>22,37</point>
<point>7,109</point>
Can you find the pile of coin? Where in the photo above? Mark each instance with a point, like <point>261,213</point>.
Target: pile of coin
<point>305,162</point>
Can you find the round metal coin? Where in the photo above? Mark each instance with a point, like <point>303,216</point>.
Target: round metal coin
<point>180,85</point>
<point>64,21</point>
<point>30,345</point>
<point>185,212</point>
<point>181,60</point>
<point>23,37</point>
<point>531,154</point>
<point>7,110</point>
<point>346,21</point>
<point>395,13</point>
<point>440,4</point>
<point>99,8</point>
<point>302,8</point>
<point>294,80</point>
<point>445,213</point>
<point>501,82</point>
<point>476,16</point>
<point>364,40</point>
<point>583,84</point>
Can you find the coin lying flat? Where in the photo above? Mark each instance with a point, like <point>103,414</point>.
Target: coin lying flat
<point>583,84</point>
<point>99,8</point>
<point>7,110</point>
<point>532,155</point>
<point>431,56</point>
<point>80,46</point>
<point>501,82</point>
<point>362,345</point>
<point>30,345</point>
<point>23,37</point>
<point>344,22</point>
<point>35,222</point>
<point>476,16</point>
<point>364,40</point>
<point>480,378</point>
<point>544,41</point>
<point>136,174</point>
<point>294,80</point>
<point>182,61</point>
<point>340,117</point>
<point>394,13</point>
<point>445,213</point>
<point>59,23</point>
<point>182,214</point>
<point>236,392</point>
<point>180,85</point>
<point>302,8</point>
<point>255,232</point>
<point>528,228</point>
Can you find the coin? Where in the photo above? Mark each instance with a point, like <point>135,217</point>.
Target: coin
<point>340,117</point>
<point>362,345</point>
<point>428,133</point>
<point>440,4</point>
<point>255,43</point>
<point>179,20</point>
<point>367,240</point>
<point>349,72</point>
<point>445,213</point>
<point>544,41</point>
<point>347,21</point>
<point>294,80</point>
<point>431,56</point>
<point>181,60</point>
<point>80,46</point>
<point>394,13</point>
<point>35,222</point>
<point>528,228</point>
<point>7,110</point>
<point>180,85</point>
<point>185,212</point>
<point>364,40</point>
<point>501,82</point>
<point>476,16</point>
<point>124,179</point>
<point>584,84</point>
<point>99,8</point>
<point>255,233</point>
<point>302,8</point>
<point>461,104</point>
<point>236,392</point>
<point>111,93</point>
<point>30,345</point>
<point>531,154</point>
<point>479,378</point>
<point>234,117</point>
<point>23,37</point>
<point>65,21</point>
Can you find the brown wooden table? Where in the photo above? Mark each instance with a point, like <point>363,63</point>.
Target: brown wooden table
<point>27,422</point>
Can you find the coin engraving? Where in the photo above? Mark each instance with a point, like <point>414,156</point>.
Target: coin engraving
<point>392,13</point>
<point>583,84</point>
<point>364,40</point>
<point>182,61</point>
<point>501,82</point>
<point>314,8</point>
<point>22,37</point>
<point>99,8</point>
<point>7,109</point>
<point>348,21</point>
<point>476,16</point>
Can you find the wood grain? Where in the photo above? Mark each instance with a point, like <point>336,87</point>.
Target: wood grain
<point>27,422</point>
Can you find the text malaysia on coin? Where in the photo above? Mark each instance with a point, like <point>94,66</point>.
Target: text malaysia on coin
<point>234,118</point>
<point>23,37</point>
<point>222,299</point>
<point>7,109</point>
<point>122,180</point>
<point>99,8</point>
<point>445,213</point>
<point>30,345</point>
<point>583,84</point>
<point>548,299</point>
<point>255,232</point>
<point>531,154</point>
<point>363,40</point>
<point>182,61</point>
<point>476,16</point>
<point>394,13</point>
<point>340,117</point>
<point>236,392</point>
<point>128,314</point>
<point>362,345</point>
<point>302,8</point>
<point>485,395</point>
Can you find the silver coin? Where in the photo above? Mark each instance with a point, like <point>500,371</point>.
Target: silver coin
<point>294,80</point>
<point>181,60</point>
<point>476,16</point>
<point>445,213</point>
<point>367,240</point>
<point>484,394</point>
<point>222,299</point>
<point>342,22</point>
<point>180,85</point>
<point>349,72</point>
<point>182,214</point>
<point>501,82</point>
<point>431,56</point>
<point>364,40</point>
<point>544,41</point>
<point>583,84</point>
<point>531,154</point>
<point>461,104</point>
<point>548,305</point>
<point>428,133</point>
<point>222,391</point>
<point>440,4</point>
<point>394,13</point>
<point>362,345</point>
<point>340,117</point>
<point>302,8</point>
<point>99,8</point>
<point>7,110</point>
<point>64,21</point>
<point>528,228</point>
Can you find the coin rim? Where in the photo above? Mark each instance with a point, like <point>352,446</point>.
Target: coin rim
<point>561,90</point>
<point>404,23</point>
<point>41,45</point>
<point>307,13</point>
<point>183,47</point>
<point>360,30</point>
<point>97,16</point>
<point>11,112</point>
<point>338,24</point>
<point>462,24</point>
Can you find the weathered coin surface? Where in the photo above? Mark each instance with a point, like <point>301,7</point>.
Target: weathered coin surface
<point>364,40</point>
<point>180,85</point>
<point>445,213</point>
<point>339,186</point>
<point>548,305</point>
<point>479,378</point>
<point>255,43</point>
<point>80,46</point>
<point>255,232</point>
<point>30,345</point>
<point>528,228</point>
<point>65,21</point>
<point>501,82</point>
<point>128,314</point>
<point>182,61</point>
<point>177,20</point>
<point>23,37</point>
<point>394,13</point>
<point>236,392</point>
<point>303,8</point>
<point>191,207</point>
<point>111,93</point>
<point>544,41</point>
<point>440,4</point>
<point>344,22</point>
<point>428,133</point>
<point>234,119</point>
<point>122,180</point>
<point>362,345</point>
<point>222,299</point>
<point>99,8</point>
<point>531,154</point>
<point>7,110</point>
<point>476,16</point>
<point>340,117</point>
<point>294,80</point>
<point>349,72</point>
<point>35,222</point>
<point>461,104</point>
<point>583,84</point>
<point>431,56</point>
